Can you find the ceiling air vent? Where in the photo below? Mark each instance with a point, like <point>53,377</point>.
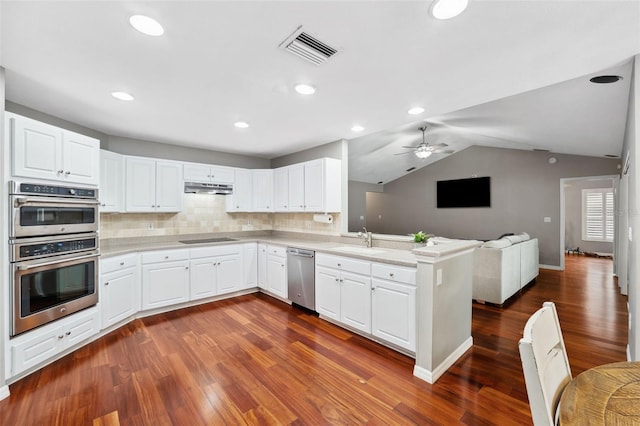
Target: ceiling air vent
<point>307,47</point>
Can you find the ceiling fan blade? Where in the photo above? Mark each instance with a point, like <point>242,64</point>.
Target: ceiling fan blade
<point>402,153</point>
<point>443,151</point>
<point>409,147</point>
<point>440,145</point>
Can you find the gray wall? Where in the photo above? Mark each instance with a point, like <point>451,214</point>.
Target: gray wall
<point>329,150</point>
<point>573,215</point>
<point>525,188</point>
<point>165,151</point>
<point>55,121</point>
<point>358,204</point>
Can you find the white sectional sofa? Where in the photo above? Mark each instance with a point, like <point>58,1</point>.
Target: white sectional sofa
<point>503,267</point>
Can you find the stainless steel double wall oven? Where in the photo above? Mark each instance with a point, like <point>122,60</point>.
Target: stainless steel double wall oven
<point>54,252</point>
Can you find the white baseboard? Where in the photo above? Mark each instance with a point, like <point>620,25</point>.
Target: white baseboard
<point>432,376</point>
<point>4,392</point>
<point>552,267</point>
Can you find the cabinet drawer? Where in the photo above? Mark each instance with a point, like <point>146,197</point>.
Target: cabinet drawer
<point>117,263</point>
<point>164,256</point>
<point>277,250</point>
<point>344,263</point>
<point>394,273</point>
<point>213,251</point>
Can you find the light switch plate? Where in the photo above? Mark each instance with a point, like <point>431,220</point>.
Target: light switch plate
<point>547,219</point>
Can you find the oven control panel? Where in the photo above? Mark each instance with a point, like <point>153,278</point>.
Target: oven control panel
<point>31,251</point>
<point>53,190</point>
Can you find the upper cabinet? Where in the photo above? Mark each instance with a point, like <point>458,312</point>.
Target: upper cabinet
<point>262,190</point>
<point>111,182</point>
<point>153,185</point>
<point>42,151</point>
<point>313,186</point>
<point>242,198</point>
<point>208,174</point>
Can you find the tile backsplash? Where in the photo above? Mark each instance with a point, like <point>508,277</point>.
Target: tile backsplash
<point>206,214</point>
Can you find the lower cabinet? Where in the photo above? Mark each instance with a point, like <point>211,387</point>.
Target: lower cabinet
<point>41,344</point>
<point>344,296</point>
<point>120,288</point>
<point>262,266</point>
<point>277,271</point>
<point>215,270</point>
<point>165,278</point>
<point>374,298</point>
<point>250,265</point>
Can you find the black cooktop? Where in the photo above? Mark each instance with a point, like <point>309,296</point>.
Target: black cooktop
<point>208,240</point>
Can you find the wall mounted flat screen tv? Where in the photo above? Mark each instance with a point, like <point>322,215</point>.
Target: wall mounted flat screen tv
<point>473,192</point>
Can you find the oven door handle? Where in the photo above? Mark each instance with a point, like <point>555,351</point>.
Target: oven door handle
<point>20,201</point>
<point>23,267</point>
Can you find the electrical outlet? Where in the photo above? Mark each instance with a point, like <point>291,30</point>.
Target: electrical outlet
<point>149,226</point>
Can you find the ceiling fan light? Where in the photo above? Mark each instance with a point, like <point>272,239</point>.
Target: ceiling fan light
<point>422,153</point>
<point>416,110</point>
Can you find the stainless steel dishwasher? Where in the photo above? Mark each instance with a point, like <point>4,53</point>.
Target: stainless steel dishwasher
<point>301,279</point>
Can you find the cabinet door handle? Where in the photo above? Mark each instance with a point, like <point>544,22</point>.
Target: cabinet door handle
<point>67,173</point>
<point>166,257</point>
<point>337,280</point>
<point>68,333</point>
<point>339,265</point>
<point>107,283</point>
<point>373,288</point>
<point>60,172</point>
<point>121,263</point>
<point>341,280</point>
<point>61,337</point>
<point>391,274</point>
<point>186,267</point>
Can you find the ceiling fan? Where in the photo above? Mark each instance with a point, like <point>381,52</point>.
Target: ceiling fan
<point>424,150</point>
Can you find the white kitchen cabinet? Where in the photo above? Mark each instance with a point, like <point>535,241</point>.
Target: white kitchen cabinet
<point>323,185</point>
<point>393,299</point>
<point>262,266</point>
<point>277,270</point>
<point>281,189</point>
<point>242,198</point>
<point>165,278</point>
<point>313,186</point>
<point>205,173</point>
<point>153,185</point>
<point>250,265</point>
<point>43,151</point>
<point>120,288</point>
<point>39,345</point>
<point>111,182</point>
<point>343,290</point>
<point>215,270</point>
<point>262,190</point>
<point>296,188</point>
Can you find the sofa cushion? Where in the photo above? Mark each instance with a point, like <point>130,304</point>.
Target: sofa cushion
<point>502,243</point>
<point>524,236</point>
<point>515,239</point>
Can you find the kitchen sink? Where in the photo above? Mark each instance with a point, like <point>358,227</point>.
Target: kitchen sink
<point>208,240</point>
<point>358,250</point>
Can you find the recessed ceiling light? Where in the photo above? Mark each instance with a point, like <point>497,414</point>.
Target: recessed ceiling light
<point>123,96</point>
<point>416,110</point>
<point>357,128</point>
<point>305,89</point>
<point>241,124</point>
<point>146,25</point>
<point>447,9</point>
<point>604,79</point>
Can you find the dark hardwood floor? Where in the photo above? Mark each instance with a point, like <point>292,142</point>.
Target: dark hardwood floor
<point>254,360</point>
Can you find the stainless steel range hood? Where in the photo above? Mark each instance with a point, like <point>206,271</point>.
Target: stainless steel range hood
<point>208,188</point>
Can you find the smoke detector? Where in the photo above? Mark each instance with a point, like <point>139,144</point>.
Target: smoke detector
<point>308,47</point>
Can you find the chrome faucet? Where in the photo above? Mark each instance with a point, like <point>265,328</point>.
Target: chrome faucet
<point>366,236</point>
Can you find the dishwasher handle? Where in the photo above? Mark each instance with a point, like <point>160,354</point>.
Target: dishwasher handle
<point>300,253</point>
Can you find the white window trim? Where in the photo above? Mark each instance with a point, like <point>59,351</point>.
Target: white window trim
<point>600,229</point>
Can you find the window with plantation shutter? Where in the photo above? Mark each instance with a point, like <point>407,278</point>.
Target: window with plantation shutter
<point>597,214</point>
